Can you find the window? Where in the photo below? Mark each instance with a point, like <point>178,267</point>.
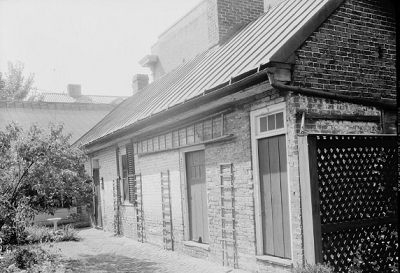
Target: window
<point>271,182</point>
<point>271,122</point>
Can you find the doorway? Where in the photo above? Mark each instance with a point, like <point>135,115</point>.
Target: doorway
<point>97,198</point>
<point>197,196</point>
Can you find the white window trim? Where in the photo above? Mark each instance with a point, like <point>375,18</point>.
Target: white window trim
<point>98,163</point>
<point>185,203</point>
<point>255,136</point>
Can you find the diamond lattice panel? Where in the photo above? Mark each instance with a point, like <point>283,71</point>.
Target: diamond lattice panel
<point>356,178</point>
<point>376,243</point>
<point>355,182</point>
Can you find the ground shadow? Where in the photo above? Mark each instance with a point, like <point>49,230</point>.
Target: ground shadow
<point>110,263</point>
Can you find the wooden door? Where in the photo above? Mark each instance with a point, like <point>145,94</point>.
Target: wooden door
<point>274,196</point>
<point>197,197</point>
<point>97,198</point>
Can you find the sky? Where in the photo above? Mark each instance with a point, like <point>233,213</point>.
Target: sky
<point>94,43</point>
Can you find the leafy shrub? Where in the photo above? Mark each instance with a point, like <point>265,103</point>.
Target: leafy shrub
<point>25,258</point>
<point>11,235</point>
<point>316,268</point>
<point>76,217</point>
<point>30,259</point>
<point>42,234</point>
<point>69,233</point>
<point>38,234</point>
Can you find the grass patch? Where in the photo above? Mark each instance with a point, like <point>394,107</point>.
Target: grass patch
<point>315,268</point>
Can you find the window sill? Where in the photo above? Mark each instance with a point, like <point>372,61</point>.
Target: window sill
<point>127,204</point>
<point>275,260</point>
<point>194,244</point>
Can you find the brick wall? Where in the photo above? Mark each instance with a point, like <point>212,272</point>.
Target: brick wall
<point>203,27</point>
<point>299,104</point>
<point>270,98</point>
<point>182,41</point>
<point>341,55</point>
<point>353,52</point>
<point>236,151</point>
<point>108,171</point>
<point>225,14</point>
<point>150,166</point>
<point>128,221</point>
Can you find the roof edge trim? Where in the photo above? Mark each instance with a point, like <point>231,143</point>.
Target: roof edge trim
<point>295,41</point>
<point>249,81</point>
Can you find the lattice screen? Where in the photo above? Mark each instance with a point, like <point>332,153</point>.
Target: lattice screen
<point>358,203</point>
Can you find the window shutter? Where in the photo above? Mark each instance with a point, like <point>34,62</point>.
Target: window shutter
<point>131,172</point>
<point>118,176</point>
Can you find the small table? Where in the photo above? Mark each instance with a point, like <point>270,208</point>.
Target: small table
<point>54,220</point>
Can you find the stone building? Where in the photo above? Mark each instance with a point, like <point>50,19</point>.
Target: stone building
<point>205,159</point>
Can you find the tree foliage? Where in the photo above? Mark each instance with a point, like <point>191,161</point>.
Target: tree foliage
<point>14,85</point>
<point>38,170</point>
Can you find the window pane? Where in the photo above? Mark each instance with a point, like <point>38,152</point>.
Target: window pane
<point>271,122</point>
<point>279,120</point>
<point>263,124</point>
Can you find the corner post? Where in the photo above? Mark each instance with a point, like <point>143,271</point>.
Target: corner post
<point>312,235</point>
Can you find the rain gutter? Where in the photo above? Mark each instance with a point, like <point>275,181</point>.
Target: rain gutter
<point>331,95</point>
<point>235,85</point>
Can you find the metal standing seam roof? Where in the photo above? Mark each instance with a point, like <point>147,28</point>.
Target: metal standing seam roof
<point>256,44</point>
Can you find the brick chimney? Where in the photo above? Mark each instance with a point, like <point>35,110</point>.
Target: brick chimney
<point>223,15</point>
<point>74,90</point>
<point>139,81</point>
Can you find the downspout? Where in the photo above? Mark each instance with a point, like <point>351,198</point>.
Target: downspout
<point>330,95</point>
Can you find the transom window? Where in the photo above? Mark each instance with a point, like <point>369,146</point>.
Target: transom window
<point>271,122</point>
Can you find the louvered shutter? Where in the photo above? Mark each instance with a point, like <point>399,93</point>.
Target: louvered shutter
<point>131,172</point>
<point>118,186</point>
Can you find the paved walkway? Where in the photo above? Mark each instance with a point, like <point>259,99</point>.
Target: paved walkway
<point>100,251</point>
